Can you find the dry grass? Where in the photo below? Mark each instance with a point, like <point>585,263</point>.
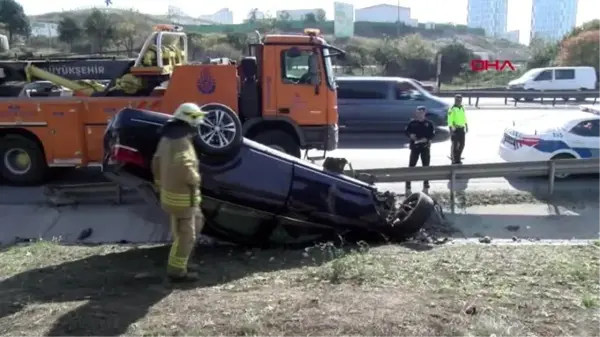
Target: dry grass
<point>479,290</point>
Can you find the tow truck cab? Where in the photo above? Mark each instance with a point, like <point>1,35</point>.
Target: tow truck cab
<point>288,97</point>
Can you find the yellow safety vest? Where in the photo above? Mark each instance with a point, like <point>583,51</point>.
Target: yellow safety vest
<point>457,117</point>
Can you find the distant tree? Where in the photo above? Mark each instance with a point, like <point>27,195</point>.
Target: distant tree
<point>253,15</point>
<point>582,49</point>
<point>99,29</point>
<point>69,31</point>
<point>14,19</point>
<point>320,15</point>
<point>543,54</point>
<point>593,25</point>
<point>310,18</point>
<point>454,57</point>
<point>131,31</point>
<point>284,16</point>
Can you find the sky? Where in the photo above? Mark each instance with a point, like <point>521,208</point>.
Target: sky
<point>441,11</point>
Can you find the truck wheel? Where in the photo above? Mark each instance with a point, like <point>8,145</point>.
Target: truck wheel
<point>415,211</point>
<point>22,162</point>
<point>220,132</point>
<point>280,141</point>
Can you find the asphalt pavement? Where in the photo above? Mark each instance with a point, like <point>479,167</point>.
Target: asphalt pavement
<point>24,215</point>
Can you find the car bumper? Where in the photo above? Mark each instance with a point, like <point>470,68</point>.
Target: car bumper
<point>509,154</point>
<point>321,137</point>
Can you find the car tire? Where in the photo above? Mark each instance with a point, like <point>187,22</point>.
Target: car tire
<point>420,207</point>
<point>279,140</point>
<point>206,143</point>
<point>529,99</point>
<point>559,157</point>
<point>36,169</point>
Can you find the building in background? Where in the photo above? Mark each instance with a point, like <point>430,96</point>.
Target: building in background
<point>385,13</point>
<point>298,14</point>
<point>223,16</point>
<point>46,29</point>
<point>491,15</point>
<point>177,16</point>
<point>513,36</point>
<point>343,19</point>
<point>552,19</point>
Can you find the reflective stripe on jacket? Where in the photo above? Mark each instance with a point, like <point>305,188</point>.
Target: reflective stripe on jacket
<point>175,167</point>
<point>457,117</point>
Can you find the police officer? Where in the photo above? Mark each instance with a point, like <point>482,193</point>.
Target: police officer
<point>457,122</point>
<point>175,170</point>
<point>420,131</point>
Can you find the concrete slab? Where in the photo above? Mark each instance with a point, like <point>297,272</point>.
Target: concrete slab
<point>538,221</point>
<point>88,224</point>
<point>25,222</point>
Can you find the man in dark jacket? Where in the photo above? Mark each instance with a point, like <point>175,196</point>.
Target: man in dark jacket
<point>420,130</point>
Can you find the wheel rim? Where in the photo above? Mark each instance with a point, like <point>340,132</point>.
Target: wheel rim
<point>217,129</point>
<point>17,161</point>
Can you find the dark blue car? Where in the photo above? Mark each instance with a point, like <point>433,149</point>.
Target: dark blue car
<point>255,195</point>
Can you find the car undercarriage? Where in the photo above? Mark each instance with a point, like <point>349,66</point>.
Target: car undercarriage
<point>257,196</point>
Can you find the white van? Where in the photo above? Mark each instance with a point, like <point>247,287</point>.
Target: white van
<point>556,78</point>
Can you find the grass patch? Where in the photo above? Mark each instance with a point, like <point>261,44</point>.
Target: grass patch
<point>467,290</point>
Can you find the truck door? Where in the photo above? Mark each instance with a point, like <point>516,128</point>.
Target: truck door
<point>297,98</point>
<point>66,140</point>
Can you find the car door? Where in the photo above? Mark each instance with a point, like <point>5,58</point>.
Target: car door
<point>543,81</point>
<point>584,138</point>
<point>564,79</point>
<point>360,105</point>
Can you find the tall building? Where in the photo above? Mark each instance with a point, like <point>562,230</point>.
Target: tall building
<point>552,19</point>
<point>491,15</point>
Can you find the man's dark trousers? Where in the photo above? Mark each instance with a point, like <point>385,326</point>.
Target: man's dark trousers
<point>458,144</point>
<point>417,152</point>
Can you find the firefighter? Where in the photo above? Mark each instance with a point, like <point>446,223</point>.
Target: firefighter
<point>420,130</point>
<point>175,170</point>
<point>457,122</point>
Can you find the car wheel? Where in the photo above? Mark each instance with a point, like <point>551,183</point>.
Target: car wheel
<point>559,157</point>
<point>280,141</point>
<point>566,99</point>
<point>22,161</point>
<point>580,98</point>
<point>529,99</point>
<point>220,132</point>
<point>414,212</point>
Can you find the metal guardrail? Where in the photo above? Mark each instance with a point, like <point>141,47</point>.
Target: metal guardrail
<point>518,95</point>
<point>549,168</point>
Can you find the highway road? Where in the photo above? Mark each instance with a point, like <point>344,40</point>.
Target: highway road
<point>485,130</point>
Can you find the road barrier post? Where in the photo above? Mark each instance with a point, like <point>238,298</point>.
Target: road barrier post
<point>551,176</point>
<point>452,184</point>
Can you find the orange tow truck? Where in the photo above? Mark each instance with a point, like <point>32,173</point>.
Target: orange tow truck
<point>284,93</point>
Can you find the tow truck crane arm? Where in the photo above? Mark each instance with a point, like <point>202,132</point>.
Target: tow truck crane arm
<point>80,88</point>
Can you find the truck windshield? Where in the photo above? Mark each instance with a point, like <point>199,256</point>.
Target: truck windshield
<point>328,68</point>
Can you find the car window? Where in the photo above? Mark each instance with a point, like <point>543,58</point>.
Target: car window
<point>362,90</point>
<point>545,75</point>
<point>405,90</point>
<point>589,128</point>
<point>565,74</point>
<point>295,70</point>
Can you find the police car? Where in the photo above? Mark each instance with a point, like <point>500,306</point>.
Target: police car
<point>571,135</point>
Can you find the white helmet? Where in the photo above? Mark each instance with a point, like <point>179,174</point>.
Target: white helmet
<point>189,113</point>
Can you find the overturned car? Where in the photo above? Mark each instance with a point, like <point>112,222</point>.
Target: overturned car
<point>254,195</point>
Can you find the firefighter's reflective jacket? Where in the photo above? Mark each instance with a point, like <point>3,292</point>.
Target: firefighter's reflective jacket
<point>175,168</point>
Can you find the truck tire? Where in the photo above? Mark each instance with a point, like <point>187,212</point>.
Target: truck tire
<point>280,141</point>
<point>22,161</point>
<point>221,132</point>
<point>418,208</point>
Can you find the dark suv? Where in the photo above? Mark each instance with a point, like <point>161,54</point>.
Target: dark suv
<point>384,104</point>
